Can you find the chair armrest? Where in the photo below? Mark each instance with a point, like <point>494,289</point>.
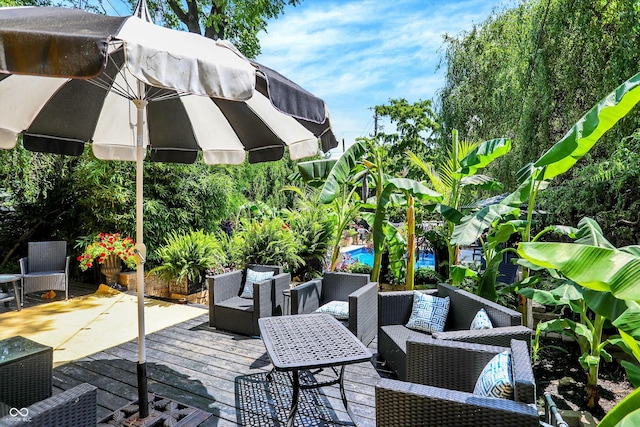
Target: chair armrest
<point>281,282</point>
<point>305,298</point>
<point>363,312</point>
<point>524,383</point>
<point>447,364</point>
<point>262,298</point>
<point>403,403</point>
<point>501,336</point>
<point>224,286</point>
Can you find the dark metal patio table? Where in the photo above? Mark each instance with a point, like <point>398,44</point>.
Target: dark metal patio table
<point>310,341</point>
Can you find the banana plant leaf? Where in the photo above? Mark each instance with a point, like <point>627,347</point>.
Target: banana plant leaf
<point>483,154</point>
<point>590,233</point>
<point>625,413</point>
<point>341,171</point>
<point>316,170</point>
<point>586,132</point>
<point>472,226</point>
<point>600,269</point>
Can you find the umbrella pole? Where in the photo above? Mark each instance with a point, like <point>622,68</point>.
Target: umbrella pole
<point>143,399</point>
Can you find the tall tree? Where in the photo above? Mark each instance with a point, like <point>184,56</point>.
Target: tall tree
<point>415,125</point>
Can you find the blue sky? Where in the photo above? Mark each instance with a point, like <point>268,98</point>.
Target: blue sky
<point>356,54</point>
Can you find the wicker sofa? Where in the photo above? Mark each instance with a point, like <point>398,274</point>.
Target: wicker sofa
<point>357,289</point>
<point>229,312</point>
<point>75,407</point>
<point>440,384</point>
<point>394,310</point>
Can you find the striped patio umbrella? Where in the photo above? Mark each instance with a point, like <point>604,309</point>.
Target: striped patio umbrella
<point>131,88</point>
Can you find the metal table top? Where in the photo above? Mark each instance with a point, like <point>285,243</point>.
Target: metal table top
<point>307,341</point>
<point>7,278</point>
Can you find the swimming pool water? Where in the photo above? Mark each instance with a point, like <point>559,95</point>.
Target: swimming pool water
<point>365,256</point>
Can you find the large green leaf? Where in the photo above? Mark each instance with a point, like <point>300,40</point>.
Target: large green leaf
<point>472,226</point>
<point>315,170</point>
<point>340,172</point>
<point>600,269</point>
<point>625,413</point>
<point>604,304</point>
<point>629,321</point>
<point>483,154</point>
<point>586,132</point>
<point>590,233</point>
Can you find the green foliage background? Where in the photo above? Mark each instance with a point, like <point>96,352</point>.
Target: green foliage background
<point>529,73</point>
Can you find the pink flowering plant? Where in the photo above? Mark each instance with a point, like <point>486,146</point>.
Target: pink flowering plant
<point>104,245</point>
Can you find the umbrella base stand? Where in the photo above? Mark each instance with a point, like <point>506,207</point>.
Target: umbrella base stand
<point>162,412</point>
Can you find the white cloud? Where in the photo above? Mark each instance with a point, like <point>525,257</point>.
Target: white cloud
<point>356,54</point>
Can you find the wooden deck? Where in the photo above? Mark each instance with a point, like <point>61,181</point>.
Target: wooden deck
<point>221,373</point>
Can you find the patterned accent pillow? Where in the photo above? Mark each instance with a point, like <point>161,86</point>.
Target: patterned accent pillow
<point>481,321</point>
<point>429,313</point>
<point>252,277</point>
<point>495,379</point>
<point>338,309</point>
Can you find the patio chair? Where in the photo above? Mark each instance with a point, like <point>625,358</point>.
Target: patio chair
<point>75,407</point>
<point>440,388</point>
<point>356,289</point>
<point>230,311</point>
<point>46,268</point>
<point>394,311</point>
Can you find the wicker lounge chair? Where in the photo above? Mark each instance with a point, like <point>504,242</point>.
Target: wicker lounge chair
<point>229,312</point>
<point>394,310</point>
<point>75,407</point>
<point>441,380</point>
<point>361,294</point>
<point>45,268</point>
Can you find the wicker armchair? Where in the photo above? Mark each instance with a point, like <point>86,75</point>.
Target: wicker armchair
<point>439,390</point>
<point>355,288</point>
<point>45,268</point>
<point>229,312</point>
<point>75,407</point>
<point>394,310</point>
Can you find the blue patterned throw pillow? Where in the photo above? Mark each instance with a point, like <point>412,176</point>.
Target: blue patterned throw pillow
<point>481,321</point>
<point>338,309</point>
<point>429,313</point>
<point>495,379</point>
<point>252,277</point>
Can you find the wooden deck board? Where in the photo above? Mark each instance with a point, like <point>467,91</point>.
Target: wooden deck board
<point>218,372</point>
<point>221,373</point>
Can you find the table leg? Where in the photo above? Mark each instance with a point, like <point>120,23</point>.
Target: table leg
<point>16,294</point>
<point>294,398</point>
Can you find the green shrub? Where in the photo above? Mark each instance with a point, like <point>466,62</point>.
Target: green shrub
<point>269,242</point>
<point>188,255</point>
<point>359,267</point>
<point>313,229</point>
<point>427,276</point>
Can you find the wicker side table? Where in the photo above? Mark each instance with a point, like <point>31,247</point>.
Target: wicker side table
<point>26,372</point>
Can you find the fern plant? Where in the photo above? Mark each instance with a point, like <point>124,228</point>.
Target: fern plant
<point>268,242</point>
<point>188,255</point>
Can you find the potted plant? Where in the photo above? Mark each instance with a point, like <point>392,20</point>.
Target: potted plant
<point>110,250</point>
<point>187,257</point>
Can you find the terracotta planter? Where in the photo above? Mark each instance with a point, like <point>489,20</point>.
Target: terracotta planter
<point>110,268</point>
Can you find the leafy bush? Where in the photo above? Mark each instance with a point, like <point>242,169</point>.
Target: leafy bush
<point>189,255</point>
<point>270,242</point>
<point>427,276</point>
<point>314,229</point>
<point>359,267</point>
